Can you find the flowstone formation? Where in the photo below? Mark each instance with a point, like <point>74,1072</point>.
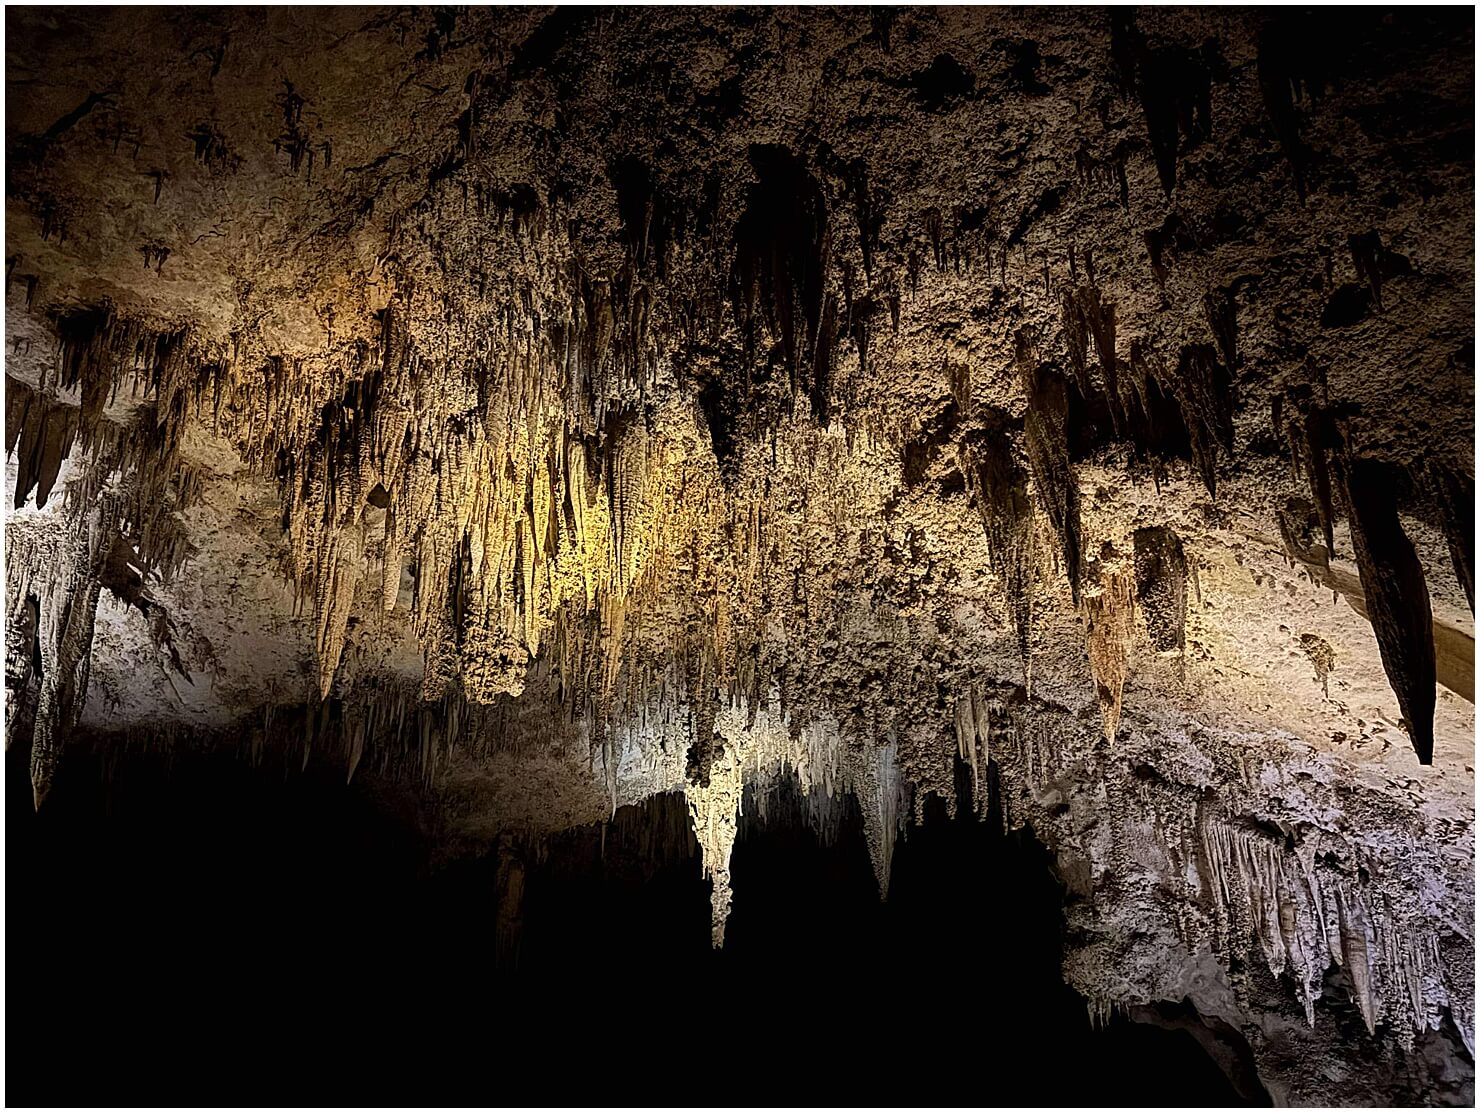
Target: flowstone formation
<point>538,410</point>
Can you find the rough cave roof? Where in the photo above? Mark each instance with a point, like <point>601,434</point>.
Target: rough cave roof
<point>543,408</point>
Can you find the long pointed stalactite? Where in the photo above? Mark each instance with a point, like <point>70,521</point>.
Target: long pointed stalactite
<point>1397,598</point>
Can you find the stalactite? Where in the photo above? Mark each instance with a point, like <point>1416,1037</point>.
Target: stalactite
<point>40,431</point>
<point>63,687</point>
<point>781,253</point>
<point>882,795</point>
<point>1202,387</point>
<point>1375,263</point>
<point>1280,83</point>
<point>48,563</point>
<point>1454,493</point>
<point>1221,309</point>
<point>1152,412</point>
<point>1109,611</point>
<point>1046,426</point>
<point>974,712</point>
<point>1397,596</point>
<point>334,606</point>
<point>1356,957</point>
<point>1087,317</point>
<point>1185,411</point>
<point>1174,86</point>
<point>715,808</point>
<point>1000,488</point>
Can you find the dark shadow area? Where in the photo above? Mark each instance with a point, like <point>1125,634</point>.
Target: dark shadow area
<point>216,934</point>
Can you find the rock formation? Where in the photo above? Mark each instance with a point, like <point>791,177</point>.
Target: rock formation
<point>542,409</point>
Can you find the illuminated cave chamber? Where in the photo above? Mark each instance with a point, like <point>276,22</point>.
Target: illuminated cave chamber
<point>542,441</point>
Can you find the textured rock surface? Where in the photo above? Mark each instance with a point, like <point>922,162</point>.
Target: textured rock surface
<point>545,409</point>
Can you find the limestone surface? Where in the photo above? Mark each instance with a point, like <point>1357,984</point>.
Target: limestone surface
<point>541,409</point>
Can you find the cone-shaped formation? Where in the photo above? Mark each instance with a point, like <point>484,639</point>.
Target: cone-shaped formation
<point>1394,586</point>
<point>1397,597</point>
<point>1109,615</point>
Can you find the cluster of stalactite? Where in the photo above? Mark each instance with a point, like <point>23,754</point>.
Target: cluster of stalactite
<point>760,746</point>
<point>1161,412</point>
<point>1395,590</point>
<point>564,556</point>
<point>1296,894</point>
<point>395,732</point>
<point>1154,578</point>
<point>564,452</point>
<point>55,575</point>
<point>1241,850</point>
<point>52,591</point>
<point>388,729</point>
<point>39,432</point>
<point>536,475</point>
<point>651,529</point>
<point>132,455</point>
<point>1247,866</point>
<point>1151,581</point>
<point>521,448</point>
<point>646,518</point>
<point>119,523</point>
<point>1302,898</point>
<point>1160,415</point>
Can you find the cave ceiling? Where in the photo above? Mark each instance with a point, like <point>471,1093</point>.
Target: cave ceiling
<point>534,410</point>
